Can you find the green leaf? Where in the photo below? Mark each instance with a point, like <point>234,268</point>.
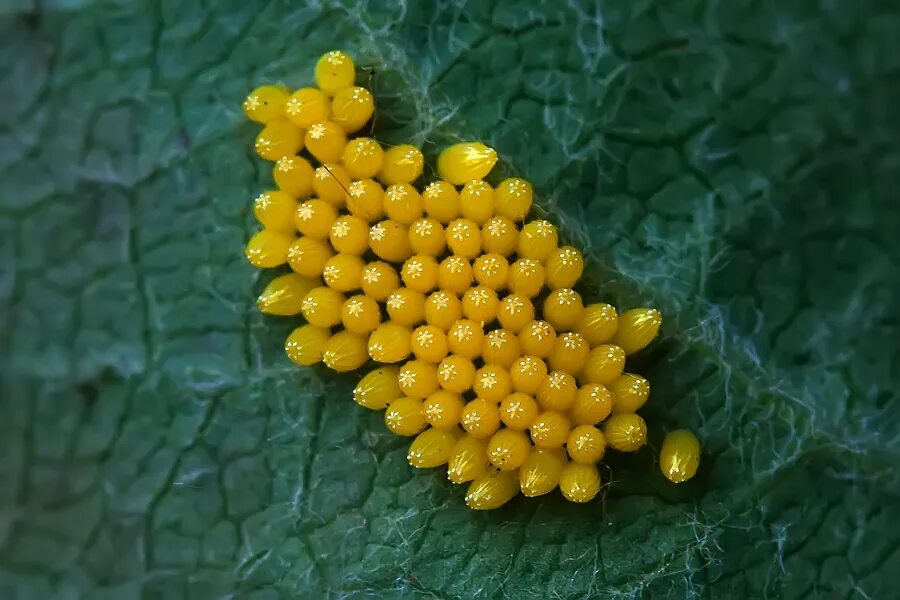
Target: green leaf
<point>734,164</point>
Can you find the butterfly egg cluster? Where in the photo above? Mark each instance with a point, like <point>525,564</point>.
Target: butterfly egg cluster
<point>488,355</point>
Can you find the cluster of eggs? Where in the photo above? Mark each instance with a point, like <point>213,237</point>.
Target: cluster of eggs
<point>490,358</point>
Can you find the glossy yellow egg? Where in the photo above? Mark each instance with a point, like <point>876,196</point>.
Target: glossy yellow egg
<point>443,409</point>
<point>499,236</point>
<point>406,306</point>
<point>515,312</point>
<point>306,106</point>
<point>629,393</point>
<point>431,448</point>
<point>456,374</point>
<point>402,203</point>
<point>349,235</point>
<point>378,388</point>
<point>322,307</point>
<point>537,338</point>
<point>480,418</point>
<point>570,353</point>
<point>366,200</point>
<point>390,343</point>
<point>442,309</point>
<point>476,201</point>
<point>304,346</point>
<point>268,249</point>
<point>680,456</point>
<point>426,236</point>
<point>540,473</point>
<point>492,382</point>
<point>379,280</point>
<point>277,139</point>
<point>284,295</point>
<point>586,444</point>
<point>557,391</point>
<point>527,374</point>
<point>402,164</point>
<point>331,183</point>
<point>513,198</point>
<point>360,314</point>
<point>389,240</point>
<point>294,175</point>
<point>345,351</point>
<point>526,277</point>
<point>326,140</point>
<point>480,304</point>
<point>508,449</point>
<point>550,429</point>
<point>265,103</point>
<point>405,416</point>
<point>429,343</point>
<point>492,490</point>
<point>455,274</point>
<point>314,218</point>
<point>362,157</point>
<point>307,256</point>
<point>418,379</point>
<point>275,211</point>
<point>598,323</point>
<point>604,364</point>
<point>637,328</point>
<point>593,403</point>
<point>468,460</point>
<point>420,273</point>
<point>463,162</point>
<point>465,338</point>
<point>537,240</point>
<point>500,347</point>
<point>491,271</point>
<point>564,267</point>
<point>464,238</point>
<point>563,309</point>
<point>334,72</point>
<point>518,411</point>
<point>625,432</point>
<point>441,201</point>
<point>579,483</point>
<point>352,107</point>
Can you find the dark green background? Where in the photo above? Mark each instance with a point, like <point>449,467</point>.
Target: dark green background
<point>733,163</point>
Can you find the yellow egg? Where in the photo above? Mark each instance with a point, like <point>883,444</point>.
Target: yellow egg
<point>480,418</point>
<point>464,238</point>
<point>480,304</point>
<point>468,461</point>
<point>537,240</point>
<point>268,249</point>
<point>304,346</point>
<point>279,138</point>
<point>492,382</point>
<point>476,201</point>
<point>349,235</point>
<point>429,343</point>
<point>307,256</point>
<point>389,343</point>
<point>461,163</point>
<point>314,218</point>
<point>284,295</point>
<point>491,271</point>
<point>585,444</point>
<point>593,403</point>
<point>500,347</point>
<point>406,306</point>
<point>325,141</point>
<point>294,175</point>
<point>508,449</point>
<point>275,211</point>
<point>629,393</point>
<point>431,448</point>
<point>680,456</point>
<point>352,108</point>
<point>563,309</point>
<point>379,280</point>
<point>426,236</point>
<point>637,328</point>
<point>527,374</point>
<point>360,314</point>
<point>537,338</point>
<point>456,373</point>
<point>570,353</point>
<point>513,198</point>
<point>334,72</point>
<point>499,236</point>
<point>362,157</point>
<point>526,277</point>
<point>564,267</point>
<point>515,312</point>
<point>441,201</point>
<point>322,307</point>
<point>455,274</point>
<point>378,388</point>
<point>604,364</point>
<point>518,411</point>
<point>598,323</point>
<point>550,429</point>
<point>540,473</point>
<point>366,200</point>
<point>465,338</point>
<point>389,240</point>
<point>625,432</point>
<point>492,490</point>
<point>402,203</point>
<point>443,409</point>
<point>345,351</point>
<point>306,106</point>
<point>402,164</point>
<point>418,379</point>
<point>557,391</point>
<point>331,182</point>
<point>442,309</point>
<point>265,103</point>
<point>420,273</point>
<point>579,483</point>
<point>405,416</point>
